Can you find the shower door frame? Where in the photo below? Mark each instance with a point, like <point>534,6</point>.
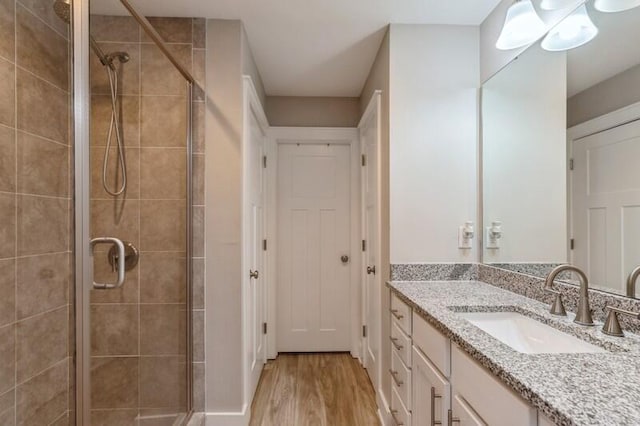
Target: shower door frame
<point>80,34</point>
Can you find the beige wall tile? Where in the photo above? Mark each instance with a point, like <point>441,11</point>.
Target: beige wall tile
<point>199,33</point>
<point>162,329</point>
<point>48,119</point>
<point>7,225</point>
<point>7,28</point>
<point>43,166</point>
<point>114,382</point>
<point>7,93</point>
<point>43,399</point>
<point>7,159</point>
<point>7,408</point>
<point>198,231</point>
<point>163,121</point>
<point>166,373</point>
<point>198,180</point>
<point>128,72</point>
<point>163,278</point>
<point>198,386</point>
<point>158,76</point>
<point>198,127</point>
<point>198,336</point>
<point>7,358</point>
<point>114,28</point>
<point>198,283</point>
<point>114,173</point>
<point>114,329</point>
<point>44,11</point>
<point>41,50</point>
<point>199,66</point>
<point>114,417</point>
<point>115,219</point>
<point>163,173</point>
<point>129,106</point>
<point>7,291</point>
<point>172,30</point>
<point>62,420</point>
<point>41,341</point>
<point>162,226</point>
<point>43,225</point>
<point>42,283</point>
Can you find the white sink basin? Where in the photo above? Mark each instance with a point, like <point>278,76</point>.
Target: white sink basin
<point>527,335</point>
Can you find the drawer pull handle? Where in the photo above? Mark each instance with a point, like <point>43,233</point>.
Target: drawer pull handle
<point>451,420</point>
<point>395,313</point>
<point>394,340</point>
<point>394,375</point>
<point>433,407</point>
<point>395,419</point>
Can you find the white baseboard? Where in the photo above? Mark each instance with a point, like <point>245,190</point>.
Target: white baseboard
<point>384,413</point>
<point>229,419</point>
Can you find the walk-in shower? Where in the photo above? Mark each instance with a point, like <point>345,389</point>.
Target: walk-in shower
<point>110,61</point>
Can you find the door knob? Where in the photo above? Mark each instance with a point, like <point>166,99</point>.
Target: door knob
<point>254,274</point>
<point>344,258</point>
<point>371,270</point>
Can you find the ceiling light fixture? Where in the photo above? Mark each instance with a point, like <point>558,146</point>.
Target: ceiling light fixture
<point>574,31</point>
<point>616,5</point>
<point>558,4</point>
<point>522,26</point>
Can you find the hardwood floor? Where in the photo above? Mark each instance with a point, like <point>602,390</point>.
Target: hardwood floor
<point>314,389</point>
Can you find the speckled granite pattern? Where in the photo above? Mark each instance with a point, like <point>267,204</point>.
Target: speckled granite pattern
<point>434,271</point>
<point>570,389</point>
<point>535,269</point>
<point>533,287</point>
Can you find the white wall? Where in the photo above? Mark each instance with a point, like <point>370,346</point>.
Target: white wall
<point>524,158</point>
<point>434,80</point>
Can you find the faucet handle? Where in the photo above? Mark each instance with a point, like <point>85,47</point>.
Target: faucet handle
<point>612,324</point>
<point>557,307</point>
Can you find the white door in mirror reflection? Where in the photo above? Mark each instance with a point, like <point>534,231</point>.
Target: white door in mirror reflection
<point>606,205</point>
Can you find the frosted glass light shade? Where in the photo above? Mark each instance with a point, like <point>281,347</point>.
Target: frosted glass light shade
<point>557,4</point>
<point>616,5</point>
<point>522,26</point>
<point>574,31</point>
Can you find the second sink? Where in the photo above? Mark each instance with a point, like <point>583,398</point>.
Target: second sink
<point>526,335</point>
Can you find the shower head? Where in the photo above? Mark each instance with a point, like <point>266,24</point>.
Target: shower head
<point>63,10</point>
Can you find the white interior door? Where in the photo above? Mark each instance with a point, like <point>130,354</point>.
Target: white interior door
<point>606,205</point>
<point>254,234</point>
<point>370,141</point>
<point>314,231</point>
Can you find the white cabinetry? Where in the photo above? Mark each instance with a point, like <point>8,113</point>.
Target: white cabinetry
<point>435,383</point>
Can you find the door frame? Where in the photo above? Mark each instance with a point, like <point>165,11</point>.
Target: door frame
<point>603,123</point>
<point>251,105</point>
<point>374,109</point>
<point>312,135</point>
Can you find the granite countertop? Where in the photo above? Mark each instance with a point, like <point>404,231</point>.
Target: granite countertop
<point>570,389</point>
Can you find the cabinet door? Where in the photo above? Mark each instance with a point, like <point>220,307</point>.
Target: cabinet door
<point>431,392</point>
<point>463,415</point>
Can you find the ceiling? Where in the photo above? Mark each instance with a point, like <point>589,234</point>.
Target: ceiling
<point>615,49</point>
<point>315,48</point>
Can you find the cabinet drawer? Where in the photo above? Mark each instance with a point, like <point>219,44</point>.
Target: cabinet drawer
<point>544,421</point>
<point>431,392</point>
<point>465,414</point>
<point>401,312</point>
<point>400,343</point>
<point>401,379</point>
<point>433,344</point>
<point>496,404</point>
<point>401,416</point>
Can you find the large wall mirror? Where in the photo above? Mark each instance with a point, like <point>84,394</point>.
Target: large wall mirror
<point>561,157</point>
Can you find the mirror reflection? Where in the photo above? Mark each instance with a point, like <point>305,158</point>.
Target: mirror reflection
<point>561,139</point>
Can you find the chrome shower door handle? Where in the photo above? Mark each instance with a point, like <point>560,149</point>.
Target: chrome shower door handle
<point>120,265</point>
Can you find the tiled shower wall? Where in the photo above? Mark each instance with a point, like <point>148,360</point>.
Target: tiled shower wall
<point>138,332</point>
<point>36,372</point>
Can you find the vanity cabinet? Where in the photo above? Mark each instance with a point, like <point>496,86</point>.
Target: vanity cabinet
<point>434,380</point>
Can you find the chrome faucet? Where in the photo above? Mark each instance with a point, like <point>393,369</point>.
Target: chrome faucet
<point>631,282</point>
<point>583,316</point>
